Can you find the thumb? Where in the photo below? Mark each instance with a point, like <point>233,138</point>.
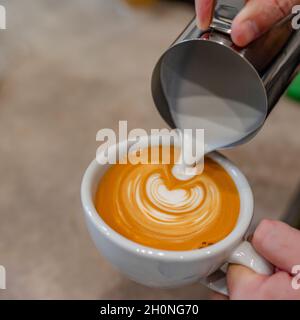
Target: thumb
<point>242,282</point>
<point>257,17</point>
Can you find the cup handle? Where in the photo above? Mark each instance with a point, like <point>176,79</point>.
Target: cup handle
<point>244,255</point>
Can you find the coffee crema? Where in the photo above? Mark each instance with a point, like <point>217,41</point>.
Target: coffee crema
<point>148,205</point>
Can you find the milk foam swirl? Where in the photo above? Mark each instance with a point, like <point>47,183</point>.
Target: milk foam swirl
<point>173,200</point>
<point>180,212</point>
<point>148,205</point>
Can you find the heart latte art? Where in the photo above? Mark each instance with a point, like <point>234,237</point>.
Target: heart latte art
<point>148,205</point>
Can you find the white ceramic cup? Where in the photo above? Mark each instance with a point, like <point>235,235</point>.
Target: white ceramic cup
<point>165,269</point>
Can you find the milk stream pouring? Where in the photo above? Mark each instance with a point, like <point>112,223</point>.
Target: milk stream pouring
<point>204,81</point>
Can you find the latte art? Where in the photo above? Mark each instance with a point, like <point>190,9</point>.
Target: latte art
<point>147,204</point>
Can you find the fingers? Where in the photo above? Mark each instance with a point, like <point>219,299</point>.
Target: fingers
<point>257,17</point>
<point>278,243</point>
<point>204,11</point>
<point>279,287</point>
<point>254,19</point>
<point>243,282</point>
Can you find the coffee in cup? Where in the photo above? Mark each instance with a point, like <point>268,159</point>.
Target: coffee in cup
<point>147,204</point>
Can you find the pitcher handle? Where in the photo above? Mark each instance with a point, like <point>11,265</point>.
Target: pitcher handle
<point>224,14</point>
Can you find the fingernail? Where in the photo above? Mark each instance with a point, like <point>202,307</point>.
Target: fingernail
<point>244,32</point>
<point>200,24</point>
<point>203,10</point>
<point>203,24</point>
<point>197,14</point>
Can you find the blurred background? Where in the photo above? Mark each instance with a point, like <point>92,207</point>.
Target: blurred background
<point>67,69</point>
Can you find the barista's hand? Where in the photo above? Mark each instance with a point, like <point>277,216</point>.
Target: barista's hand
<point>256,17</point>
<point>280,244</point>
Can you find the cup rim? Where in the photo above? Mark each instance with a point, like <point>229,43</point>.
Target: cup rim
<point>244,220</point>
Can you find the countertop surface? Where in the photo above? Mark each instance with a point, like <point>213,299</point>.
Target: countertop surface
<point>67,69</point>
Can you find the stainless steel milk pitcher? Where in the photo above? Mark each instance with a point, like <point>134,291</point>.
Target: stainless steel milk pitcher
<point>206,62</point>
